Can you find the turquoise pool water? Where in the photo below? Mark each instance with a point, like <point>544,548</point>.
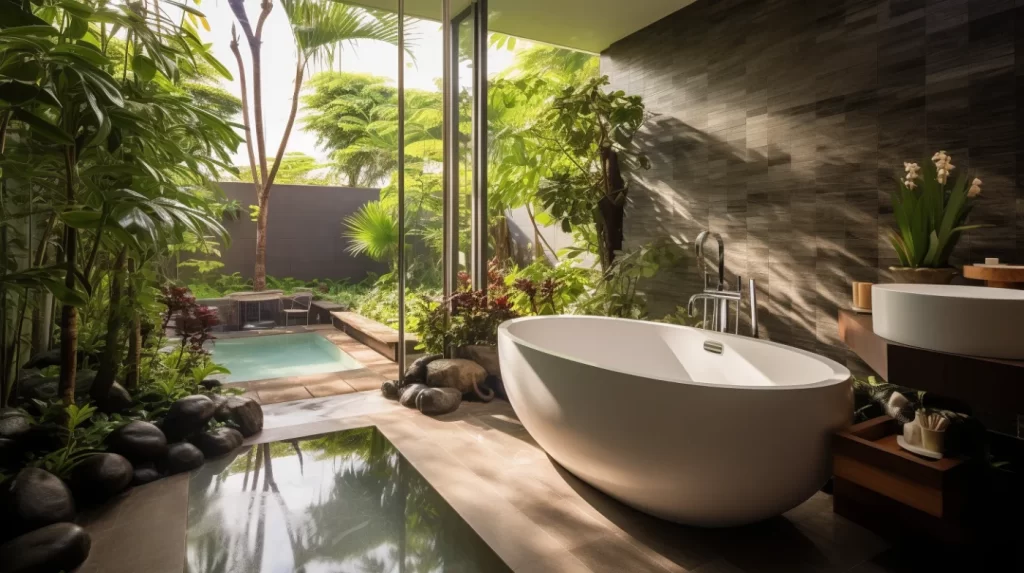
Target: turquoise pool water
<point>279,356</point>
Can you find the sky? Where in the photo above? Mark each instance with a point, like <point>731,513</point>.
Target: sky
<point>378,58</point>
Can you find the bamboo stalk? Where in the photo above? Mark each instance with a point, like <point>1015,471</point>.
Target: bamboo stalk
<point>69,314</point>
<point>131,379</point>
<point>111,350</point>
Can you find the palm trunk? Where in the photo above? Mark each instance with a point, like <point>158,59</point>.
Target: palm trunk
<point>253,170</point>
<point>131,378</point>
<point>259,279</point>
<point>42,314</point>
<point>255,40</point>
<point>42,317</point>
<point>68,313</point>
<point>107,371</point>
<point>5,384</point>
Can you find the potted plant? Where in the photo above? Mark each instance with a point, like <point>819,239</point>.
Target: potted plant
<point>930,212</point>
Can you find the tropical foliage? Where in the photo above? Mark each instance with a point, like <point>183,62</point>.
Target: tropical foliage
<point>105,162</point>
<point>297,168</point>
<point>320,29</point>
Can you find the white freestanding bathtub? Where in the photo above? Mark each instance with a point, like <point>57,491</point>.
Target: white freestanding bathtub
<point>643,412</point>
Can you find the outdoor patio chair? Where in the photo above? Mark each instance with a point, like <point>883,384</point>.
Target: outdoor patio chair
<point>297,304</point>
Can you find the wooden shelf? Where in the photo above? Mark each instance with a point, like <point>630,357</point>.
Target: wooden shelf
<point>993,388</point>
<point>868,455</point>
<point>998,276</point>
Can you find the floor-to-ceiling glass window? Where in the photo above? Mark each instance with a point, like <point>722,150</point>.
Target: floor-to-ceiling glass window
<point>439,171</point>
<point>469,141</point>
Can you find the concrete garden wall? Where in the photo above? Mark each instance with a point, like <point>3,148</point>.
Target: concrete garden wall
<point>304,232</point>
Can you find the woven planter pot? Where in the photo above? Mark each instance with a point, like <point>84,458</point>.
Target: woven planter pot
<point>923,276</point>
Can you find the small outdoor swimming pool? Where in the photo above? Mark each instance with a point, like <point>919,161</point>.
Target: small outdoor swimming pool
<point>279,356</point>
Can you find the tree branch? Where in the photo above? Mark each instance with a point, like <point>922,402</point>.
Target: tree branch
<point>299,72</point>
<point>255,47</point>
<point>245,111</point>
<point>238,8</point>
<point>540,235</point>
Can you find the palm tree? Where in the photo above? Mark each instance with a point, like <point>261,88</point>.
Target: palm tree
<point>319,28</point>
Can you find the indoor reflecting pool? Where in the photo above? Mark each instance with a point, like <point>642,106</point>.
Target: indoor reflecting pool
<point>342,502</point>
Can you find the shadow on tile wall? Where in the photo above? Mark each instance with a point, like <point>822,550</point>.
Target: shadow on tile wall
<point>782,124</point>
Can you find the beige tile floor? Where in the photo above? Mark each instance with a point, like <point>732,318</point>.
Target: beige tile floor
<point>534,514</point>
<point>376,369</point>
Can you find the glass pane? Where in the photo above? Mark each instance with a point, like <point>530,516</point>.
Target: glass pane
<point>424,239</point>
<point>466,62</point>
<point>524,78</point>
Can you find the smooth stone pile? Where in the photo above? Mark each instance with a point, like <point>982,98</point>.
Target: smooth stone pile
<point>14,423</point>
<point>417,371</point>
<point>435,385</point>
<point>118,400</point>
<point>37,508</point>
<point>101,476</point>
<point>183,457</point>
<point>138,441</point>
<point>36,498</point>
<point>409,394</point>
<point>145,474</point>
<point>438,401</point>
<point>188,416</point>
<point>245,413</point>
<point>217,442</point>
<point>55,547</point>
<point>464,375</point>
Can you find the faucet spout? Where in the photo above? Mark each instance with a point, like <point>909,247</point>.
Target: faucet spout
<point>703,238</point>
<point>693,299</point>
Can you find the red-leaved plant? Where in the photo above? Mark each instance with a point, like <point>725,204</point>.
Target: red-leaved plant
<point>193,323</point>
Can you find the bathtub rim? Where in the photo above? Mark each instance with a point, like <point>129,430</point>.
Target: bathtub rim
<point>840,374</point>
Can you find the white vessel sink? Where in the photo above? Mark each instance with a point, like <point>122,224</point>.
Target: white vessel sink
<point>976,321</point>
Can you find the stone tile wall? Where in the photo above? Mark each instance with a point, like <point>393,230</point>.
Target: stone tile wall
<point>781,124</point>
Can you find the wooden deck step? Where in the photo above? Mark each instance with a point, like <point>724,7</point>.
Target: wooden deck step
<point>377,336</point>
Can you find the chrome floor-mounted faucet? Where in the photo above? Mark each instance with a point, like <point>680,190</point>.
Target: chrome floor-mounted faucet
<point>719,294</point>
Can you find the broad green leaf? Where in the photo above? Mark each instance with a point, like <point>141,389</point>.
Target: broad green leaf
<point>144,67</point>
<point>91,55</point>
<point>933,250</point>
<point>186,8</point>
<point>80,219</point>
<point>103,83</point>
<point>13,16</point>
<point>44,128</point>
<point>37,31</point>
<point>78,27</point>
<point>17,92</point>
<point>76,8</point>
<point>955,206</point>
<point>94,105</point>
<point>64,294</point>
<point>47,96</point>
<point>99,137</point>
<point>215,63</point>
<point>900,248</point>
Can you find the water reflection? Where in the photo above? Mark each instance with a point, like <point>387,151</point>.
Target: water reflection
<point>343,502</point>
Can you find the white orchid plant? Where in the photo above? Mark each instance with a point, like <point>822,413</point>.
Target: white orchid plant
<point>931,213</point>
